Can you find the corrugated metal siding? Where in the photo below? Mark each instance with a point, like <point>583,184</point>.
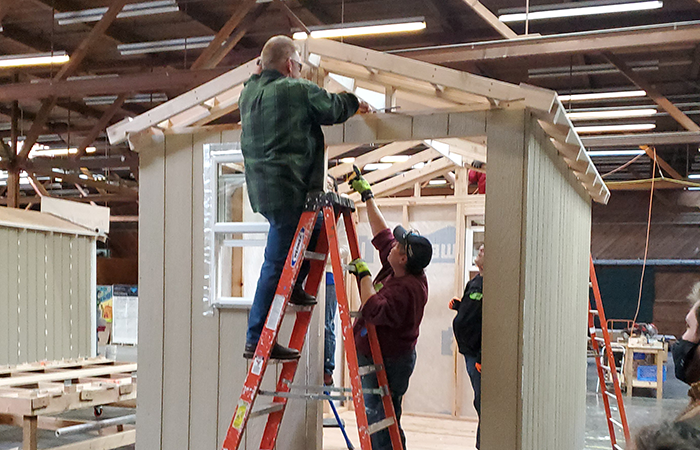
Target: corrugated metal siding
<point>557,245</point>
<point>45,300</point>
<point>191,366</point>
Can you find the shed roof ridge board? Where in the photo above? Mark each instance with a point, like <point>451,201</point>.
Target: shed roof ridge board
<point>38,221</point>
<point>194,106</point>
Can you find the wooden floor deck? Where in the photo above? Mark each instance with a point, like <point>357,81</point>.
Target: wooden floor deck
<point>422,433</point>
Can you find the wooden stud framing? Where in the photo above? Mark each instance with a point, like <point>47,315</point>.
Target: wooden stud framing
<point>491,19</point>
<point>371,157</point>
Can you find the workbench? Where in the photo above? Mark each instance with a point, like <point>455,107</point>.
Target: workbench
<point>659,351</point>
<point>32,396</point>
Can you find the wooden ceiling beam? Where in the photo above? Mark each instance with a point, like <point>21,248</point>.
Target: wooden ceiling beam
<point>679,116</point>
<point>293,18</point>
<point>142,82</point>
<point>223,34</point>
<point>235,38</point>
<point>695,66</point>
<point>491,19</point>
<point>100,125</point>
<point>67,69</point>
<point>661,162</point>
<point>565,43</point>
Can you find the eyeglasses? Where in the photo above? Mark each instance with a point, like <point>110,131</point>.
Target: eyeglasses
<point>298,63</point>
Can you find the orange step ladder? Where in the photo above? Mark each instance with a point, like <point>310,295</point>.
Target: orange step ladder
<point>333,207</point>
<point>616,394</point>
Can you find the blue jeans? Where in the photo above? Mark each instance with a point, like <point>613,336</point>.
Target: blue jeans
<point>283,226</point>
<point>398,372</point>
<point>329,335</point>
<point>475,377</point>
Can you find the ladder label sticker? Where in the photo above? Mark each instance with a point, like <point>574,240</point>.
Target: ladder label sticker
<point>241,411</point>
<point>296,252</point>
<point>256,369</point>
<point>273,318</point>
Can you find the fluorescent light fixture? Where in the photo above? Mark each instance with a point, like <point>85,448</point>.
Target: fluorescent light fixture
<point>139,98</point>
<point>611,114</point>
<point>694,188</point>
<point>364,28</point>
<point>349,160</point>
<point>34,59</point>
<point>580,9</point>
<point>437,182</point>
<point>694,176</point>
<point>129,10</point>
<point>170,45</point>
<point>377,166</point>
<point>52,152</point>
<point>601,96</point>
<point>394,159</point>
<point>616,153</point>
<point>615,128</point>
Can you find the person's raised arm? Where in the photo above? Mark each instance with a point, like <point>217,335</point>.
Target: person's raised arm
<point>362,187</point>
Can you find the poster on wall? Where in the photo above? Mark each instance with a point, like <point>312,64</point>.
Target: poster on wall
<point>125,305</point>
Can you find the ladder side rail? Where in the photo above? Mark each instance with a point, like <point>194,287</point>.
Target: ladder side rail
<point>347,329</point>
<point>601,378</point>
<point>258,366</point>
<point>297,340</point>
<point>609,352</point>
<point>382,380</point>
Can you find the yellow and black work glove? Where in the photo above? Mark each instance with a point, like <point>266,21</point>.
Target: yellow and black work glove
<point>360,185</point>
<point>358,267</point>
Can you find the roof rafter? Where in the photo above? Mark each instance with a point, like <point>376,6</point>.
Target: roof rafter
<point>678,115</point>
<point>67,69</point>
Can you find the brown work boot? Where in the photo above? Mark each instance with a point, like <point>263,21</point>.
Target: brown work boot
<point>278,352</point>
<point>327,379</point>
<point>301,298</point>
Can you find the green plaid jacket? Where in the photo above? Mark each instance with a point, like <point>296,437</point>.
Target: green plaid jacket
<point>282,141</point>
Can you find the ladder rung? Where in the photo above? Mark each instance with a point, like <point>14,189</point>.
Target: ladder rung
<point>366,370</point>
<point>611,395</point>
<point>604,367</point>
<point>314,255</point>
<point>599,339</point>
<point>381,425</point>
<point>321,388</point>
<point>274,407</point>
<point>593,311</point>
<point>615,422</point>
<point>617,447</point>
<point>303,395</point>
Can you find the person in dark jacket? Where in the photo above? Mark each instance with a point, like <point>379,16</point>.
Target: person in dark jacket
<point>283,149</point>
<point>467,329</point>
<point>394,302</point>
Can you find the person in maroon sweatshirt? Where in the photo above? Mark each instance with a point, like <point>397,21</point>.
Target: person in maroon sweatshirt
<point>394,302</point>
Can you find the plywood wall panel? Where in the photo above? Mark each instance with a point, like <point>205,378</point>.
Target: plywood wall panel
<point>177,290</point>
<point>502,315</point>
<point>149,413</point>
<point>554,302</point>
<point>37,296</point>
<point>204,392</point>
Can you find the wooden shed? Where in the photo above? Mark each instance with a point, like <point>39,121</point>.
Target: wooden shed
<point>48,295</point>
<point>537,234</point>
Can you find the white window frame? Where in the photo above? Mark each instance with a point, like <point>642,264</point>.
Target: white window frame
<point>215,232</point>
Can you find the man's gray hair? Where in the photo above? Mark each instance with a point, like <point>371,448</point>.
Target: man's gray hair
<point>277,50</point>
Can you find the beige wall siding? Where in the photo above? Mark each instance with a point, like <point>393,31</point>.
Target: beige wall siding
<point>191,369</point>
<point>46,296</point>
<point>557,251</point>
<point>535,291</point>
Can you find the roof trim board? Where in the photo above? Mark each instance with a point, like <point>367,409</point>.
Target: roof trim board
<point>220,95</point>
<point>37,221</point>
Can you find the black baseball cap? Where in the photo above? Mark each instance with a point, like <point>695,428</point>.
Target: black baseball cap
<point>419,250</point>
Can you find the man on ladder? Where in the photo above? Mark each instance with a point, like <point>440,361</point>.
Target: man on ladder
<point>394,302</point>
<point>283,149</point>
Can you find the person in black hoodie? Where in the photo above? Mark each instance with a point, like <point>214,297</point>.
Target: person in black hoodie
<point>467,329</point>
